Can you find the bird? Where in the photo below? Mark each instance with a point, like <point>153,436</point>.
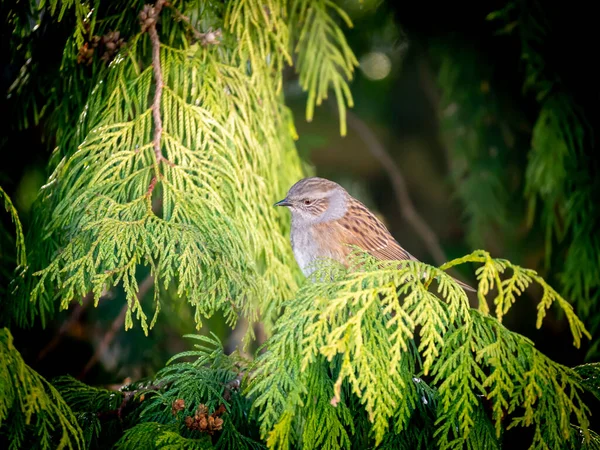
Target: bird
<point>327,221</point>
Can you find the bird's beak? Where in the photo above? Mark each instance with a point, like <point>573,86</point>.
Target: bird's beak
<point>283,202</point>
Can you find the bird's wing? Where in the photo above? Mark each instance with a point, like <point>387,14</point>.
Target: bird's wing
<point>361,228</point>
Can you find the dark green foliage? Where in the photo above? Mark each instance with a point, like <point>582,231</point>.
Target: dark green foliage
<point>20,239</point>
<point>590,374</point>
<point>527,167</point>
<point>562,182</point>
<point>96,410</point>
<point>13,241</point>
<point>210,379</point>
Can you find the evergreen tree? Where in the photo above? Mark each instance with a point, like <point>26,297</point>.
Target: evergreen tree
<point>171,140</point>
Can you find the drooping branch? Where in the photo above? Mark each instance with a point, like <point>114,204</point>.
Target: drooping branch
<point>127,398</point>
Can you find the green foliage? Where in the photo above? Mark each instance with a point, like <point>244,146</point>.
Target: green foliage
<point>20,238</point>
<point>483,132</point>
<point>560,175</point>
<point>371,357</point>
<point>324,58</point>
<point>32,412</point>
<point>95,410</point>
<point>144,415</point>
<point>192,201</point>
<point>207,380</point>
<point>590,374</point>
<point>83,398</point>
<point>372,333</point>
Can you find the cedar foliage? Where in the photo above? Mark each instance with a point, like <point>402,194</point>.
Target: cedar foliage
<point>372,356</point>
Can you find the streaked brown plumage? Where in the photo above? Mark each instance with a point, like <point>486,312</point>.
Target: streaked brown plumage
<point>326,219</point>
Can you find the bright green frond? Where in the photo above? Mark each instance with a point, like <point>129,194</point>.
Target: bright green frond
<point>324,58</point>
<point>374,331</point>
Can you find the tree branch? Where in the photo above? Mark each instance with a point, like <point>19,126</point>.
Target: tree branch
<point>148,18</point>
<point>127,396</point>
<point>66,326</point>
<point>231,385</point>
<point>399,185</point>
<point>117,324</point>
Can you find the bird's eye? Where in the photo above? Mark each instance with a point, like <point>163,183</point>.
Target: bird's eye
<point>307,202</point>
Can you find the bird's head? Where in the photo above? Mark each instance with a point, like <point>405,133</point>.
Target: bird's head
<point>315,200</point>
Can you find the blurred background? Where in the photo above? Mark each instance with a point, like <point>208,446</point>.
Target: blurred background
<point>453,106</point>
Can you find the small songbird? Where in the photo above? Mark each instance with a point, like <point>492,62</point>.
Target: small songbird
<point>326,220</point>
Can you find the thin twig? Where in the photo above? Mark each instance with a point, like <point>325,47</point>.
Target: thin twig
<point>66,326</point>
<point>127,396</point>
<point>149,16</point>
<point>232,385</point>
<point>117,324</point>
<point>399,185</point>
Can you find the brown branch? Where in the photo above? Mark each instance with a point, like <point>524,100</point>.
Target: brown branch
<point>151,187</point>
<point>232,385</point>
<point>399,185</point>
<point>127,396</point>
<point>148,18</point>
<point>117,324</point>
<point>66,326</point>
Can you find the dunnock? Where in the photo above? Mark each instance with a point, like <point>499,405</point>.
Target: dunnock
<point>326,219</point>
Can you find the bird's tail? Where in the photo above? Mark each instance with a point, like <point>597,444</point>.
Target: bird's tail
<point>465,286</point>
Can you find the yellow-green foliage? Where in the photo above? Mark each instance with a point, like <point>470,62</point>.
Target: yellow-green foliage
<point>200,216</point>
<point>377,333</point>
<point>32,412</point>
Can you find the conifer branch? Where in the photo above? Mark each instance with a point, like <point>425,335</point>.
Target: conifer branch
<point>128,396</point>
<point>362,326</point>
<point>32,407</point>
<point>324,58</point>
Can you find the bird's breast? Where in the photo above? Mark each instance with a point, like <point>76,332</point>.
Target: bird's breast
<point>312,242</point>
<point>304,247</point>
